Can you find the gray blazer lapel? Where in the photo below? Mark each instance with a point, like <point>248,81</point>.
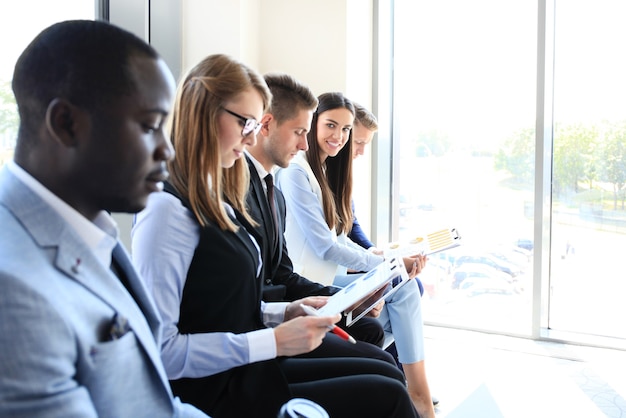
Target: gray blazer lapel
<point>71,256</point>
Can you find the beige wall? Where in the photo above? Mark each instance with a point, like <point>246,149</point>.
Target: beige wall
<point>305,38</point>
<point>327,44</point>
<point>209,27</point>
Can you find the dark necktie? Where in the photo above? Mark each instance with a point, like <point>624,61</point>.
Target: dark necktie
<point>119,325</point>
<point>269,181</point>
<point>117,269</point>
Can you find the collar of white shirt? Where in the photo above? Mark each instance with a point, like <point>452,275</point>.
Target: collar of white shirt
<point>262,172</point>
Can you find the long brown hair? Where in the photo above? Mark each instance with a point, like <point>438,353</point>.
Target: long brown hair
<point>196,170</point>
<point>335,174</point>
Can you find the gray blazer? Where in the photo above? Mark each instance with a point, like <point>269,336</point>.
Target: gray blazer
<point>57,304</point>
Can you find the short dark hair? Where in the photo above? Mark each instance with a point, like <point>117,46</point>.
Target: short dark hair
<point>83,61</point>
<point>289,96</point>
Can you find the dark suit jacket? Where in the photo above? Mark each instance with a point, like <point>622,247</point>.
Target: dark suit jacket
<point>280,282</point>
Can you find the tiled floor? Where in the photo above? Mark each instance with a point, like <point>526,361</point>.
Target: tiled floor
<point>477,375</point>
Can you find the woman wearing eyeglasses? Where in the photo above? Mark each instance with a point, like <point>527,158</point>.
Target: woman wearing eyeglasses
<point>317,187</point>
<point>202,266</point>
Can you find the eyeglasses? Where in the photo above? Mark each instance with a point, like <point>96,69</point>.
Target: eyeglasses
<point>249,124</point>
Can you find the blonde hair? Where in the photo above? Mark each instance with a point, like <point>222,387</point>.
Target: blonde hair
<point>365,118</point>
<point>196,171</point>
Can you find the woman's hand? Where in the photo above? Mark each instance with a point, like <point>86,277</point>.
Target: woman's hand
<point>375,312</point>
<point>294,309</point>
<point>303,334</point>
<point>414,264</point>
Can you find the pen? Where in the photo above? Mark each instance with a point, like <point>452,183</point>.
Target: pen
<point>334,328</point>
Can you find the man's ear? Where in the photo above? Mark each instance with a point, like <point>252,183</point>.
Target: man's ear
<point>265,122</point>
<point>63,121</point>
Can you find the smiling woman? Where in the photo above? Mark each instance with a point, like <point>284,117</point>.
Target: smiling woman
<point>317,187</point>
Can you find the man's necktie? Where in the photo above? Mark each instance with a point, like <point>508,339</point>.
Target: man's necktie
<point>119,324</point>
<point>269,181</point>
<point>117,269</point>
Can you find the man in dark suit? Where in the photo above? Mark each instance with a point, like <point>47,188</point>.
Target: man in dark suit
<point>282,135</point>
<point>79,332</point>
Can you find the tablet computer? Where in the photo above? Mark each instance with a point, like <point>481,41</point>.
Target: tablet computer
<point>367,290</point>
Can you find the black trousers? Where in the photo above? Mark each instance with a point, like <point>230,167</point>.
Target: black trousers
<point>345,387</point>
<point>369,335</point>
<point>350,387</point>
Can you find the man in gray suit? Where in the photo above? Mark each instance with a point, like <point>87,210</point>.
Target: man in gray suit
<point>79,334</point>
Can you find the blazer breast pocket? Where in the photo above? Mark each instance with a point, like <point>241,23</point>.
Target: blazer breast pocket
<point>122,380</point>
<point>115,350</point>
<point>119,343</point>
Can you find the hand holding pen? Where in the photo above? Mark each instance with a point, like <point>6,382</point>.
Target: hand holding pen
<point>301,334</point>
<point>334,328</point>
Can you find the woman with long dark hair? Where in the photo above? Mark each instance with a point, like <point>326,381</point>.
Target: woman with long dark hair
<point>318,191</point>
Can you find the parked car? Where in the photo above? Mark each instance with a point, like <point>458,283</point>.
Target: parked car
<point>489,260</point>
<point>440,263</point>
<point>448,256</point>
<point>477,270</point>
<point>512,256</point>
<point>525,243</point>
<point>526,253</point>
<point>480,285</point>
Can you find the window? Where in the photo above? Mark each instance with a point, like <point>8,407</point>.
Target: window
<point>464,125</point>
<point>21,21</point>
<point>589,169</point>
<point>465,109</point>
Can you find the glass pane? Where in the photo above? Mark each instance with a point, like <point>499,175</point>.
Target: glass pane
<point>20,22</point>
<point>464,122</point>
<point>589,168</point>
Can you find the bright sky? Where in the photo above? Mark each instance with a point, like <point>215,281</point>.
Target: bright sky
<point>468,66</point>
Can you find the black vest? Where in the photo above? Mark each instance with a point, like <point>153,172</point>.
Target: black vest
<point>222,293</point>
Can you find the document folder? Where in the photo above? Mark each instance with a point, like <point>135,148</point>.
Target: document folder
<point>369,289</point>
<point>429,244</point>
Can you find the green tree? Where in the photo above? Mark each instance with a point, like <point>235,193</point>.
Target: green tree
<point>517,156</point>
<point>573,157</point>
<point>433,143</point>
<point>9,120</point>
<point>613,161</point>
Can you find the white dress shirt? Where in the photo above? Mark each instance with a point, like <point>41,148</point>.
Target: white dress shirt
<point>164,238</point>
